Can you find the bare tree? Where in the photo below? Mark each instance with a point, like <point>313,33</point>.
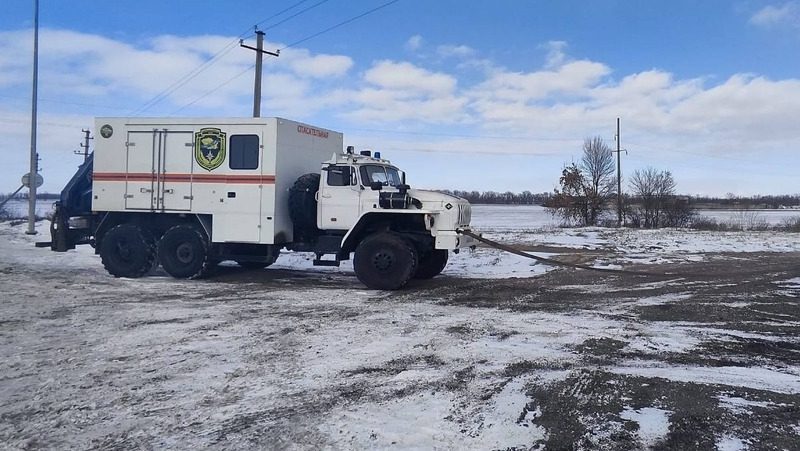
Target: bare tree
<point>569,201</point>
<point>586,188</point>
<point>655,191</point>
<point>597,164</point>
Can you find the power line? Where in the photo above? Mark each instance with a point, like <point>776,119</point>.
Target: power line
<point>462,151</point>
<point>293,15</point>
<point>280,12</point>
<point>186,78</point>
<point>456,135</point>
<point>93,105</point>
<point>695,154</point>
<point>217,56</point>
<point>345,22</point>
<point>217,88</point>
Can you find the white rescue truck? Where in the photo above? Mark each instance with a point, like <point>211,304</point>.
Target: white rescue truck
<point>188,193</point>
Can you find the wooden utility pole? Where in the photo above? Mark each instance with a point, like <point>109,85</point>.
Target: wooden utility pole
<point>85,145</point>
<point>259,49</point>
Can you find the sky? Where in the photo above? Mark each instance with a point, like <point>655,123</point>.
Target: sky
<point>467,95</point>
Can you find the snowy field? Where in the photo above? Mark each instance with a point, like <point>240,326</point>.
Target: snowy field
<point>496,353</point>
<point>507,217</point>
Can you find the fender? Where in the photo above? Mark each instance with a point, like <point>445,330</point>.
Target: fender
<point>350,240</point>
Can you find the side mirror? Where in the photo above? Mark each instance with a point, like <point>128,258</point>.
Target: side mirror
<point>376,186</point>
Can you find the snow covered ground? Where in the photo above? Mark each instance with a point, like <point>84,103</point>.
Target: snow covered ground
<point>496,353</point>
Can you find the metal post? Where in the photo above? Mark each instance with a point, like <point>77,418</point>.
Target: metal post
<point>619,180</point>
<point>34,166</point>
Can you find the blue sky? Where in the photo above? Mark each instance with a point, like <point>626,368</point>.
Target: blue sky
<point>463,95</point>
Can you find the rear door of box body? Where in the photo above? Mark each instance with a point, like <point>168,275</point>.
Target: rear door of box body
<point>159,170</point>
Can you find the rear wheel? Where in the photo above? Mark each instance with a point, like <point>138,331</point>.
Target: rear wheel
<point>127,251</point>
<point>385,261</point>
<point>183,252</point>
<point>431,264</point>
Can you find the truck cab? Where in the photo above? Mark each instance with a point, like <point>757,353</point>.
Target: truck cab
<point>353,185</point>
<point>362,205</point>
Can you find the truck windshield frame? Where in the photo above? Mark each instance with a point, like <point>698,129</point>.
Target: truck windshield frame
<point>388,175</point>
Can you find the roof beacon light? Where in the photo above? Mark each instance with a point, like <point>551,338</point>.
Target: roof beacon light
<point>366,153</point>
<point>378,155</point>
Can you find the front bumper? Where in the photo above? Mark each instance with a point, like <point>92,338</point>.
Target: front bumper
<point>451,240</point>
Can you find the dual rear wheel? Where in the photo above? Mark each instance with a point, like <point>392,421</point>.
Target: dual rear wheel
<point>383,261</point>
<point>129,250</point>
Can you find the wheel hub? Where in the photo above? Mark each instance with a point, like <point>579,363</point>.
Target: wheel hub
<point>123,250</point>
<point>184,253</point>
<point>382,261</point>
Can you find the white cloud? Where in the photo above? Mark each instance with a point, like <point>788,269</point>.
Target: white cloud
<point>787,14</point>
<point>556,53</point>
<point>406,76</point>
<point>304,64</point>
<point>573,78</point>
<point>566,99</point>
<point>455,51</point>
<point>401,91</point>
<point>414,43</point>
<point>322,66</point>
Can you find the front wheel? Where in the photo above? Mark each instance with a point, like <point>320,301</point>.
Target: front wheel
<point>183,251</point>
<point>127,251</point>
<point>431,264</point>
<point>385,261</point>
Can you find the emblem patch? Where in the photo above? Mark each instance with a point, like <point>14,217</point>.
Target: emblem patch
<point>209,148</point>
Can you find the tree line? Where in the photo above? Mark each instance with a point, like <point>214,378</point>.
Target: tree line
<point>505,198</point>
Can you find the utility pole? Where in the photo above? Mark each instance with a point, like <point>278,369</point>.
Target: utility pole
<point>619,179</point>
<point>259,49</point>
<point>85,145</point>
<point>34,166</point>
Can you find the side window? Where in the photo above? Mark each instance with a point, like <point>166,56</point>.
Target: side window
<point>244,152</point>
<point>339,176</point>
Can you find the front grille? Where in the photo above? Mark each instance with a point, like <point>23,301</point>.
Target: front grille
<point>464,214</point>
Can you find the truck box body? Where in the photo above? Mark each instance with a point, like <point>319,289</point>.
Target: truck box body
<point>238,170</point>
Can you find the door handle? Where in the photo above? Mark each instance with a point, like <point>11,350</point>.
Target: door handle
<point>169,191</point>
<point>327,196</point>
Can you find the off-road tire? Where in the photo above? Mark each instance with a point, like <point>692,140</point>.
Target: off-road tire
<point>127,250</point>
<point>431,264</point>
<point>385,261</point>
<point>183,252</point>
<point>303,205</point>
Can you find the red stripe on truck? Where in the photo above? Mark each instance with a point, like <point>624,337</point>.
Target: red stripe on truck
<point>183,178</point>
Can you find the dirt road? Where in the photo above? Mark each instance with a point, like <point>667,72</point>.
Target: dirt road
<point>285,359</point>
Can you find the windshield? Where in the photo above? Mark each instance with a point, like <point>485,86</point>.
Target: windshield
<point>387,175</point>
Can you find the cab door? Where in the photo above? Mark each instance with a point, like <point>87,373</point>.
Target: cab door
<point>339,202</point>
